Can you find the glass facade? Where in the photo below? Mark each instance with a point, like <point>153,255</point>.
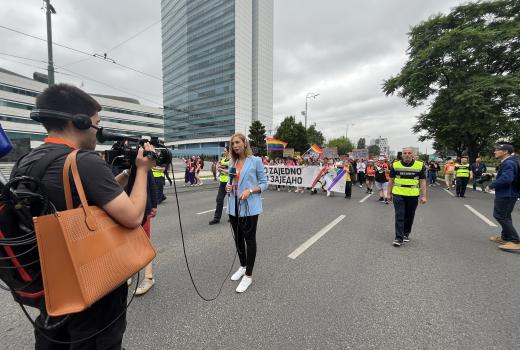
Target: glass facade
<point>198,39</point>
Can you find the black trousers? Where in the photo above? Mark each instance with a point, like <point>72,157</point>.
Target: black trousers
<point>245,240</point>
<point>502,213</point>
<point>159,183</point>
<point>461,185</point>
<point>361,178</point>
<point>405,207</point>
<point>220,200</point>
<point>348,189</point>
<point>86,323</point>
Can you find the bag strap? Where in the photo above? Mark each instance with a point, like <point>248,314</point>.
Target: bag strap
<point>38,168</point>
<point>71,164</point>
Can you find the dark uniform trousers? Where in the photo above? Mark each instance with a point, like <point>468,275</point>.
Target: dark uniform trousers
<point>220,200</point>
<point>405,207</point>
<point>461,184</point>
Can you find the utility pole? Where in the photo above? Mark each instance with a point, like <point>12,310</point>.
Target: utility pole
<point>50,66</point>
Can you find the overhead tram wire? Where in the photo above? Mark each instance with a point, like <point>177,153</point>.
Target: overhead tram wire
<point>101,57</point>
<point>83,77</point>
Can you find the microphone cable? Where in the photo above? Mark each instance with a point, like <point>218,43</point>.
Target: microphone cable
<point>208,299</point>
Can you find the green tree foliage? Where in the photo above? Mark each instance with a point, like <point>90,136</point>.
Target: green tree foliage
<point>361,143</point>
<point>257,138</point>
<point>344,145</point>
<point>374,150</point>
<point>293,133</point>
<point>314,136</point>
<point>466,65</point>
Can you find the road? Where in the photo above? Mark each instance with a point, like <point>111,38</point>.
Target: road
<point>449,288</point>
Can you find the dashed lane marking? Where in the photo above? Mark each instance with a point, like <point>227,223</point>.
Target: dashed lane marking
<point>315,238</point>
<point>480,216</point>
<point>365,198</point>
<point>208,211</point>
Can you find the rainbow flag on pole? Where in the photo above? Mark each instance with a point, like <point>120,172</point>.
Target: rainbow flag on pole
<point>316,149</point>
<point>275,145</point>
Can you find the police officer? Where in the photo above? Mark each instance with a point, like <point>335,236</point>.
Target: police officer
<point>407,186</point>
<point>462,176</point>
<point>158,176</point>
<point>222,168</point>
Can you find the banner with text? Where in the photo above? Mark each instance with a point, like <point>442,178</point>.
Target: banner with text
<point>330,179</point>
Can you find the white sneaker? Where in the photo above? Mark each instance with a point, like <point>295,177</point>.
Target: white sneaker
<point>328,193</point>
<point>244,284</point>
<point>145,286</point>
<point>238,275</point>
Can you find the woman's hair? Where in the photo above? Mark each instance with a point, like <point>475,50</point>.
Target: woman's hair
<point>247,149</point>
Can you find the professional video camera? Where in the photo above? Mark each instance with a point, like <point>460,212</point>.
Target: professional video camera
<point>124,150</point>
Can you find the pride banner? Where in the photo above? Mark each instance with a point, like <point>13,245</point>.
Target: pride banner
<point>330,179</point>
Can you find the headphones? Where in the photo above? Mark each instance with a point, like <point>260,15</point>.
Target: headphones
<point>80,121</point>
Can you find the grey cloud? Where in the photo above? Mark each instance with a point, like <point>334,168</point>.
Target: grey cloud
<point>341,49</point>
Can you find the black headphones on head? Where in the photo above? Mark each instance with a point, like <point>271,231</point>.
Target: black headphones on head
<point>80,121</point>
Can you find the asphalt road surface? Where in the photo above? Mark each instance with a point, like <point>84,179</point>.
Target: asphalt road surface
<point>449,288</point>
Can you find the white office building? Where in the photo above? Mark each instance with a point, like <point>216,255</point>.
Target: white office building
<point>384,148</point>
<point>119,114</point>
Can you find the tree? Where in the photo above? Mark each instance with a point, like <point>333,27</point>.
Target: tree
<point>374,150</point>
<point>293,133</point>
<point>257,138</point>
<point>314,136</point>
<point>467,65</point>
<point>361,144</point>
<point>343,144</point>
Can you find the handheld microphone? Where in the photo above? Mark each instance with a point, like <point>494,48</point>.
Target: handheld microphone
<point>5,144</point>
<point>232,174</point>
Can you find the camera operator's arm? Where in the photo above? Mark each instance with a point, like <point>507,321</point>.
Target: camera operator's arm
<point>122,178</point>
<point>129,210</point>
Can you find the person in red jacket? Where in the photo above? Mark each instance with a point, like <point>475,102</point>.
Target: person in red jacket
<point>371,173</point>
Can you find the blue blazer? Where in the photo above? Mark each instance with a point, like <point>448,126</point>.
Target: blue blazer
<point>252,175</point>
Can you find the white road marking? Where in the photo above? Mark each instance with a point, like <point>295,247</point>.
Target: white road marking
<point>365,198</point>
<point>315,238</point>
<point>208,211</point>
<point>448,192</point>
<point>482,217</point>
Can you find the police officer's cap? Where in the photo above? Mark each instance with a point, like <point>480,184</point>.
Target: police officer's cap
<point>505,146</point>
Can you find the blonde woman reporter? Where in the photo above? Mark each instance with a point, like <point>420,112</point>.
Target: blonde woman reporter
<point>244,189</point>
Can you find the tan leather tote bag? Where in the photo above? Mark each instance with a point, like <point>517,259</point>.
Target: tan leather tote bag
<point>84,253</point>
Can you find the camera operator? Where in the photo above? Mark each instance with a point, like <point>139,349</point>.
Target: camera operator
<point>101,189</point>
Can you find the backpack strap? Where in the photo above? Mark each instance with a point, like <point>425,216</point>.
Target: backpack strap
<point>38,168</point>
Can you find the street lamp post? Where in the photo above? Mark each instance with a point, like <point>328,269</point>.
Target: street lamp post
<point>309,95</point>
<point>346,132</point>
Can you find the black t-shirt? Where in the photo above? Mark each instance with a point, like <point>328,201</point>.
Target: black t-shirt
<point>98,181</point>
<point>380,173</point>
<point>422,173</point>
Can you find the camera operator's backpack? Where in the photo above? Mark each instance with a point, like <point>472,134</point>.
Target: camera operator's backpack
<point>23,198</point>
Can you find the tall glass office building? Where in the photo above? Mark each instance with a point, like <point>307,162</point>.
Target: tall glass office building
<point>217,71</point>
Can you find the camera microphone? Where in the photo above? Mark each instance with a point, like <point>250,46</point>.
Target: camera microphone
<point>103,135</point>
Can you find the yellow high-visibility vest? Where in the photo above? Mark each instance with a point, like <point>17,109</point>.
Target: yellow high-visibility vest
<point>461,170</point>
<point>224,175</point>
<point>406,181</point>
<point>157,172</point>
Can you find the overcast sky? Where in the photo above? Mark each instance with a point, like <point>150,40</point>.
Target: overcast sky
<point>341,49</point>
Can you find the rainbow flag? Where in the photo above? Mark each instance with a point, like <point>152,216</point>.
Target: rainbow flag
<point>275,145</point>
<point>316,149</point>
